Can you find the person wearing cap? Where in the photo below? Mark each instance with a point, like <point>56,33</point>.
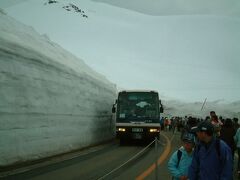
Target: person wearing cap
<point>180,160</point>
<point>212,157</point>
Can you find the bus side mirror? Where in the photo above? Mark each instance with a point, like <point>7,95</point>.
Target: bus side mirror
<point>113,109</point>
<point>161,109</point>
<point>161,106</point>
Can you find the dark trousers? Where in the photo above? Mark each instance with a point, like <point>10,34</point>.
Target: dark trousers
<point>238,150</point>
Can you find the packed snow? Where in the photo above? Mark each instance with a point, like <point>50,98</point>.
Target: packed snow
<point>51,101</point>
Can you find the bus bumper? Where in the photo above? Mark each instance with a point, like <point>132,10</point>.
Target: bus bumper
<point>138,133</point>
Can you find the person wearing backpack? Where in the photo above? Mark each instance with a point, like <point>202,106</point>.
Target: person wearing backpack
<point>212,157</point>
<point>181,159</point>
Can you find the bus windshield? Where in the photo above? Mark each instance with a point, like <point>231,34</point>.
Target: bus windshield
<point>138,106</point>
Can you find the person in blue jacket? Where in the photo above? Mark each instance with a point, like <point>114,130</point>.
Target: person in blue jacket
<point>212,157</point>
<point>181,159</point>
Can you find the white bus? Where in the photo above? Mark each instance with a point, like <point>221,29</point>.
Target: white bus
<point>137,115</point>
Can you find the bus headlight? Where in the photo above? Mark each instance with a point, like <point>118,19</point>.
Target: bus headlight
<point>153,130</point>
<point>122,129</point>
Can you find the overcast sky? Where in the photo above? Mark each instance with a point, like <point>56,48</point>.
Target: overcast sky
<point>185,51</point>
<point>179,7</point>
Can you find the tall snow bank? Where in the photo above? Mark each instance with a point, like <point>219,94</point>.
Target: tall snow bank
<point>50,101</point>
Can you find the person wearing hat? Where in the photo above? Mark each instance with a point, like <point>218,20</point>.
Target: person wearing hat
<point>180,160</point>
<point>212,157</point>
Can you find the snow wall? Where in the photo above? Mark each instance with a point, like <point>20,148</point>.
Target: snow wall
<point>50,101</point>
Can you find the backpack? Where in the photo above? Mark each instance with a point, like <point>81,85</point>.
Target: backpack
<point>179,155</point>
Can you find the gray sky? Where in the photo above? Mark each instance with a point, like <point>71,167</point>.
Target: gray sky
<point>9,3</point>
<point>179,7</point>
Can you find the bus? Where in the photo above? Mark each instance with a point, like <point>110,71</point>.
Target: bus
<point>137,115</point>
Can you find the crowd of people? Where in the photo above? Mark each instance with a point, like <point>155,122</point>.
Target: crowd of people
<point>208,147</point>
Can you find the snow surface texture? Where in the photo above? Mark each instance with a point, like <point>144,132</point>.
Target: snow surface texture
<point>50,101</point>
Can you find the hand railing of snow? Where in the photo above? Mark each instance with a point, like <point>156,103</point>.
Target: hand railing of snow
<point>156,141</point>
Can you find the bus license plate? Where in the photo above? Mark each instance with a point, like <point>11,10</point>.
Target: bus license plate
<point>137,129</point>
<point>137,136</point>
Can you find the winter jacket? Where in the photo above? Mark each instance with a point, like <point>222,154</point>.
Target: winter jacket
<point>183,165</point>
<point>227,135</point>
<point>211,164</point>
<point>237,138</point>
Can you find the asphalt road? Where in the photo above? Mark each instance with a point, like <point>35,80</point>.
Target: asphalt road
<point>110,161</point>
